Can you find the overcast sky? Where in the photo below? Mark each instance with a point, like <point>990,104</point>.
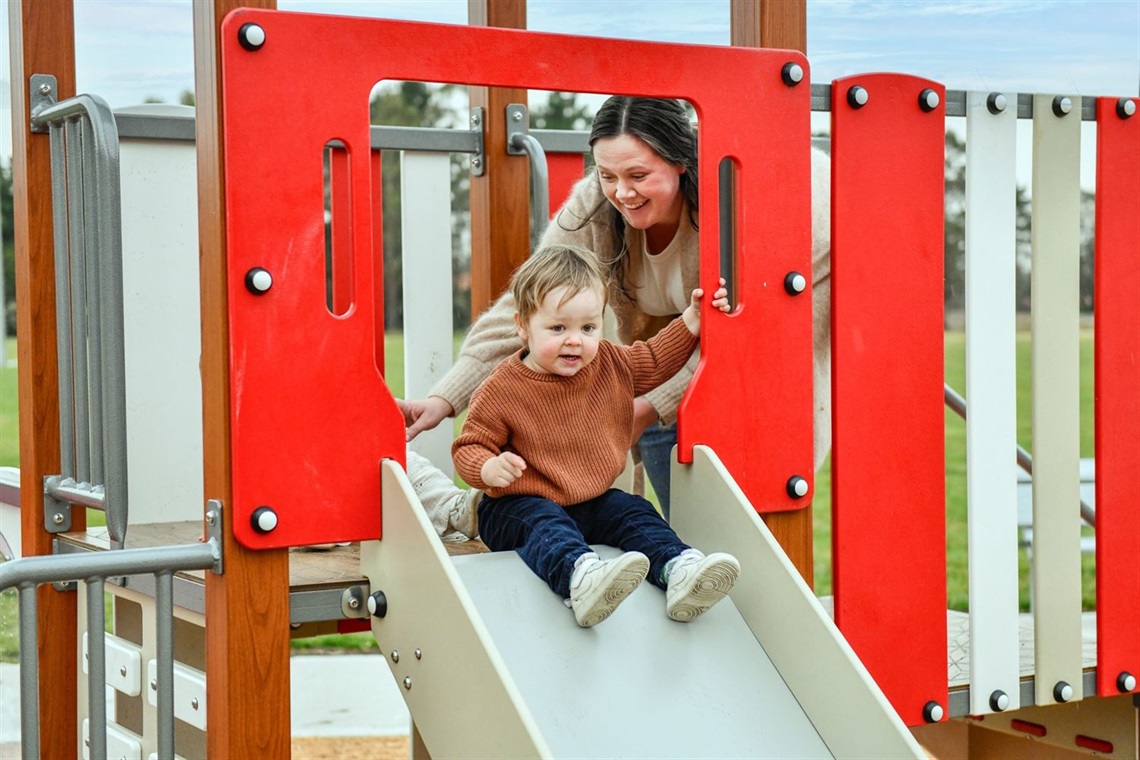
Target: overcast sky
<point>130,50</point>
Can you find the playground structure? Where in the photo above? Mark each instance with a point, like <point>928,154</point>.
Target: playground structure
<point>266,413</point>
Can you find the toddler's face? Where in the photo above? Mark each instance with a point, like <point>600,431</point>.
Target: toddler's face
<point>562,335</point>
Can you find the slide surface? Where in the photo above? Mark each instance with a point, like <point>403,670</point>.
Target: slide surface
<point>638,684</point>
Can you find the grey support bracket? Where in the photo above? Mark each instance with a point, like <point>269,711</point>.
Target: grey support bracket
<point>478,164</point>
<point>57,512</point>
<point>516,125</point>
<point>215,531</point>
<point>352,603</point>
<point>44,91</point>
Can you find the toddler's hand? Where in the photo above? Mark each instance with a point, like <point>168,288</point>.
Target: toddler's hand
<point>501,471</point>
<point>692,313</point>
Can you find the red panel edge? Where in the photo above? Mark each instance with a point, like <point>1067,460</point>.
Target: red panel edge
<point>1117,392</point>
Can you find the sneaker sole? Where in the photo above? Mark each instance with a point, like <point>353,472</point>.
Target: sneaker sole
<point>710,586</point>
<point>628,579</point>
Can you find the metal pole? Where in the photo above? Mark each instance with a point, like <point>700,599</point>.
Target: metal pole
<point>96,670</point>
<point>958,405</point>
<point>164,665</point>
<point>29,673</point>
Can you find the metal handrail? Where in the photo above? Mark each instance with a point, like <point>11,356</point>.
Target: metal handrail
<point>86,213</point>
<point>539,184</point>
<point>28,573</point>
<point>957,403</point>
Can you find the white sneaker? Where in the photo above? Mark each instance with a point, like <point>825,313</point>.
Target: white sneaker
<point>463,517</point>
<point>597,587</point>
<point>697,582</point>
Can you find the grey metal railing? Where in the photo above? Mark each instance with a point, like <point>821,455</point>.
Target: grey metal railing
<point>957,403</point>
<point>89,307</point>
<point>94,569</point>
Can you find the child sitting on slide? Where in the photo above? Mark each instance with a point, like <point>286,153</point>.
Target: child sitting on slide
<point>547,434</point>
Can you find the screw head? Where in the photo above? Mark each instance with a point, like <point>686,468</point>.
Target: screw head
<point>999,700</point>
<point>419,653</point>
<point>353,602</point>
<point>211,517</point>
<point>395,656</point>
<point>792,73</point>
<point>996,103</point>
<point>45,88</point>
<point>928,100</point>
<point>1062,105</point>
<point>1125,108</point>
<point>194,703</point>
<point>251,37</point>
<point>476,161</point>
<point>408,683</point>
<point>123,671</point>
<point>794,283</point>
<point>258,281</point>
<point>932,712</point>
<point>517,116</point>
<point>1062,692</point>
<point>1126,682</point>
<point>857,96</point>
<point>153,685</point>
<point>797,487</point>
<point>263,520</point>
<point>57,518</point>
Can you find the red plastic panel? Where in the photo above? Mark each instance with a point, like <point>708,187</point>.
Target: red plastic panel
<point>563,170</point>
<point>1116,294</point>
<point>311,416</point>
<point>888,460</point>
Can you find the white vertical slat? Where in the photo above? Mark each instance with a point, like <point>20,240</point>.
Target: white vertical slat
<point>161,325</point>
<point>1056,393</point>
<point>425,192</point>
<point>991,390</point>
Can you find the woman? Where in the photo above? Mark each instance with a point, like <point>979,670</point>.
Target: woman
<point>638,211</point>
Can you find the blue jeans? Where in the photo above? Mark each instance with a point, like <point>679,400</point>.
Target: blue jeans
<point>656,447</point>
<point>549,538</point>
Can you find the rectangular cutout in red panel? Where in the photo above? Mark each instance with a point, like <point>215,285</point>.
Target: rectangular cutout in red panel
<point>1117,390</point>
<point>889,535</point>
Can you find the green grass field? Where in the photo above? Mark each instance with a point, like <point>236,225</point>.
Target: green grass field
<point>955,482</point>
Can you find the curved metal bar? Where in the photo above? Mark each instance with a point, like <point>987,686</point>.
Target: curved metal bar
<point>539,184</point>
<point>958,404</point>
<point>90,201</point>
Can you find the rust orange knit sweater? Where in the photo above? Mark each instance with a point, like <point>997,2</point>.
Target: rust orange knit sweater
<point>573,432</point>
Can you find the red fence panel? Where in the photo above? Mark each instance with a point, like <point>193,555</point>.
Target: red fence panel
<point>564,169</point>
<point>311,416</point>
<point>1116,294</point>
<point>889,505</point>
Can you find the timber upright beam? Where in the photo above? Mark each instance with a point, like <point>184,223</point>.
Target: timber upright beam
<point>780,24</point>
<point>247,608</point>
<point>42,42</point>
<point>500,213</point>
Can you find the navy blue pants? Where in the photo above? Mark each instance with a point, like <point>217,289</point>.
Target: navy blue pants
<point>549,537</point>
<point>656,448</point>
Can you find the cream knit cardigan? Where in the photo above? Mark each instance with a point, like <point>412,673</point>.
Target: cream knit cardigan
<point>493,337</point>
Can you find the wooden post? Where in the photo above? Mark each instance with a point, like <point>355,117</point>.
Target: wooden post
<point>500,205</point>
<point>247,608</point>
<point>43,42</point>
<point>779,24</point>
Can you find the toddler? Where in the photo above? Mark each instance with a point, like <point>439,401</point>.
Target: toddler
<point>547,433</point>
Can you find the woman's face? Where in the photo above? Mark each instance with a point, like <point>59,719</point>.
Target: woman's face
<point>642,186</point>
